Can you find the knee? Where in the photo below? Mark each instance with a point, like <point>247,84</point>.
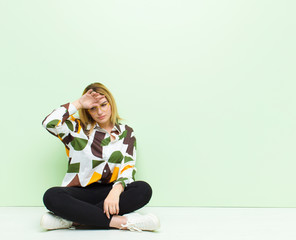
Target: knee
<point>51,198</point>
<point>145,190</point>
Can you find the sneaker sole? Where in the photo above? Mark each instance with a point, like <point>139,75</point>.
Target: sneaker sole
<point>156,221</point>
<point>47,227</point>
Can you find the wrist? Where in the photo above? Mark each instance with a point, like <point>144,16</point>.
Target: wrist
<point>77,104</point>
<point>118,188</point>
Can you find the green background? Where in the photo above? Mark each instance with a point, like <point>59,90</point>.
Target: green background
<point>207,85</point>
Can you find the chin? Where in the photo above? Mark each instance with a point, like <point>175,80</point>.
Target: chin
<point>103,120</point>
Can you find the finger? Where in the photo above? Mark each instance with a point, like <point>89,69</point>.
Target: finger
<point>117,209</point>
<point>89,91</point>
<point>108,214</point>
<point>94,105</point>
<point>99,98</point>
<point>97,95</point>
<point>112,210</point>
<point>106,210</point>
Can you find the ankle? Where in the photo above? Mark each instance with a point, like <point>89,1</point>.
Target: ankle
<point>117,221</point>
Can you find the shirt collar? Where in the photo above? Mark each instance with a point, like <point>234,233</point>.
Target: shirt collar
<point>115,129</point>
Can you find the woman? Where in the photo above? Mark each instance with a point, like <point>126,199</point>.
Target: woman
<point>99,189</point>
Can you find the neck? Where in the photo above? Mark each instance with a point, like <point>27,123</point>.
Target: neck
<point>107,126</point>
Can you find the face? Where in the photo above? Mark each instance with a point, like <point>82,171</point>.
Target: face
<point>102,113</point>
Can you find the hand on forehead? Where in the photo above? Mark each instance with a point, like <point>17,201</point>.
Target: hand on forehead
<point>100,98</point>
<point>104,99</point>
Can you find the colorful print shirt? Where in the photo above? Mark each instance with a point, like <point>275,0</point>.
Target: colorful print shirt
<point>93,158</point>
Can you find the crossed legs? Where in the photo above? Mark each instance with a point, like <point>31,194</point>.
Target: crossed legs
<point>84,205</point>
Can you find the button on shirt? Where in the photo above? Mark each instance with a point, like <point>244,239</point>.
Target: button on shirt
<point>93,157</point>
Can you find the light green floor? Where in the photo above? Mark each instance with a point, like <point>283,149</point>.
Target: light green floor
<point>180,223</point>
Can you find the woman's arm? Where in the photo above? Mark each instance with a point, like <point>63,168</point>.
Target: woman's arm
<point>60,122</point>
<point>126,174</point>
<point>77,104</point>
<point>111,203</point>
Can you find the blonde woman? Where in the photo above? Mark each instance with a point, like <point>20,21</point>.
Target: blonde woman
<point>99,189</point>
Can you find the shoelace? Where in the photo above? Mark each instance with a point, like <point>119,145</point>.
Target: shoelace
<point>63,222</point>
<point>131,226</point>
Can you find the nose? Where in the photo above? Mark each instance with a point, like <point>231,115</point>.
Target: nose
<point>100,111</point>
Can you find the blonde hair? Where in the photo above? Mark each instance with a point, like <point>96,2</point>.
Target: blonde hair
<point>86,118</point>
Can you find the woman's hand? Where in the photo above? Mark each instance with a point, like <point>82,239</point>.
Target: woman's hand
<point>88,100</point>
<point>111,203</point>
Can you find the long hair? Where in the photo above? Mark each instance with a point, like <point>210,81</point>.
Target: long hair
<point>86,118</point>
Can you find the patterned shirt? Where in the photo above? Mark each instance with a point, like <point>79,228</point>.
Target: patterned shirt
<point>93,158</point>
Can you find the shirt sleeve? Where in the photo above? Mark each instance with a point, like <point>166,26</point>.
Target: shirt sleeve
<point>60,121</point>
<point>127,169</point>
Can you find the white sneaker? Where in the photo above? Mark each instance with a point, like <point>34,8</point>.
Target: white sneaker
<point>50,221</point>
<point>138,222</point>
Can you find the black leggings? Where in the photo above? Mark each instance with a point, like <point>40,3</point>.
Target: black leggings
<point>84,205</point>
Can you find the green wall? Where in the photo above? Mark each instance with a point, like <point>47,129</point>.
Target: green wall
<point>207,85</point>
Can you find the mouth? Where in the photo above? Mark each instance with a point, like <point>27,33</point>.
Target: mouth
<point>101,117</point>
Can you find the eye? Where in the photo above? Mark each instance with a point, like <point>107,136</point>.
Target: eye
<point>93,108</point>
<point>104,104</point>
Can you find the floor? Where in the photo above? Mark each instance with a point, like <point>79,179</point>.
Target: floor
<point>182,223</point>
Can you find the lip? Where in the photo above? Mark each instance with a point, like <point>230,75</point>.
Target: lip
<point>101,117</point>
